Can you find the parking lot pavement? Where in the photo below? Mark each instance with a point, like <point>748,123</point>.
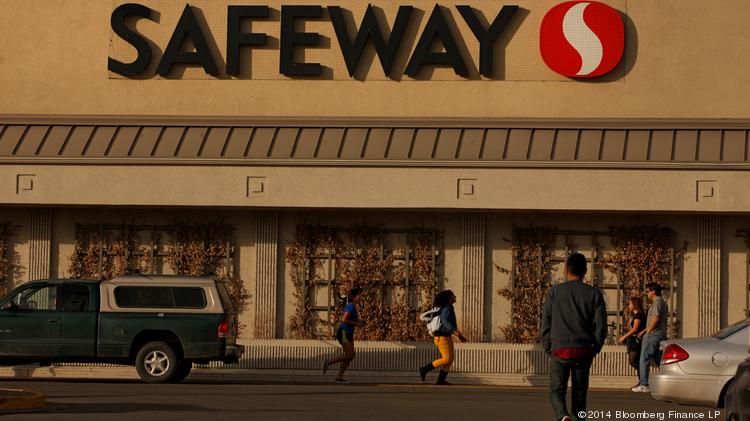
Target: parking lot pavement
<point>126,400</point>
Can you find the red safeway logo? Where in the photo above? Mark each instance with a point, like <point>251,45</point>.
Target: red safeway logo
<point>582,39</point>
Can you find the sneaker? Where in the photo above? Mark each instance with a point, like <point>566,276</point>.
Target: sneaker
<point>326,363</point>
<point>341,381</point>
<point>641,388</point>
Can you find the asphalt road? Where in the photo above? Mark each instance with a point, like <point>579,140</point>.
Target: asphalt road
<point>112,401</point>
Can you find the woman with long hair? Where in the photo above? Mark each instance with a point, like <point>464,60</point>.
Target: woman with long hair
<point>345,335</point>
<point>636,317</point>
<point>443,336</point>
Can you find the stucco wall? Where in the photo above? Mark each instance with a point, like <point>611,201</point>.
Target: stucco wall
<point>54,61</point>
<point>498,233</point>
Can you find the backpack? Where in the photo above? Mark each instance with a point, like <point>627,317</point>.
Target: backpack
<point>432,320</point>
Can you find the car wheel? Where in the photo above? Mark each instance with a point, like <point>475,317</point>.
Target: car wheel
<point>156,362</point>
<point>183,370</point>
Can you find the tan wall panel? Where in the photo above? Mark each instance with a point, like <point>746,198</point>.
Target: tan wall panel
<point>734,145</point>
<point>614,145</point>
<point>215,141</point>
<point>55,141</point>
<point>372,187</point>
<point>331,143</point>
<point>308,143</point>
<point>376,142</point>
<point>400,145</point>
<point>494,145</point>
<point>354,143</point>
<point>471,144</point>
<point>661,145</point>
<point>260,140</point>
<point>638,145</point>
<point>55,54</point>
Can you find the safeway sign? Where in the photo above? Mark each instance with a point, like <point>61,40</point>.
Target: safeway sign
<point>577,39</point>
<point>582,39</point>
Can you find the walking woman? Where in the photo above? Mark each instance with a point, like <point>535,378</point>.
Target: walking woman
<point>443,337</point>
<point>637,317</point>
<point>345,335</point>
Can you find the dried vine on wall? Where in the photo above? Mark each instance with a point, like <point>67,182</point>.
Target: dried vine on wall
<point>5,260</point>
<point>103,254</point>
<point>192,249</point>
<point>643,254</point>
<point>397,284</point>
<point>533,254</point>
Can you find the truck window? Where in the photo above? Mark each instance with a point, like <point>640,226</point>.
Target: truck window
<point>160,297</point>
<point>75,298</point>
<point>42,298</point>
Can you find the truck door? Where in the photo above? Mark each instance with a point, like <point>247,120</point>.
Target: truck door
<point>31,323</point>
<point>78,333</point>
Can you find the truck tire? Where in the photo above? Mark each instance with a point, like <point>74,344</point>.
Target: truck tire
<point>183,370</point>
<point>156,362</point>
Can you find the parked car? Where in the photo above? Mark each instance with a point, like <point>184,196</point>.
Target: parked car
<point>698,371</point>
<point>160,324</point>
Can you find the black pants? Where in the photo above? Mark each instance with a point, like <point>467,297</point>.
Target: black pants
<point>559,372</point>
<point>634,359</point>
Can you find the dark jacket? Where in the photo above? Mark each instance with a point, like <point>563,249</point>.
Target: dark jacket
<point>448,323</point>
<point>575,315</point>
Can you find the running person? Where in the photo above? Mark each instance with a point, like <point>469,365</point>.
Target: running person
<point>345,335</point>
<point>444,337</point>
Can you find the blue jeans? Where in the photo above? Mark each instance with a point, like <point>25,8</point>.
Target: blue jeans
<point>649,352</point>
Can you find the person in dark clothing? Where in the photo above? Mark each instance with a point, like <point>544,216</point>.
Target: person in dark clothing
<point>574,327</point>
<point>345,335</point>
<point>637,317</point>
<point>443,337</point>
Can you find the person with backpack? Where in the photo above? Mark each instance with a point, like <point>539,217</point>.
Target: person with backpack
<point>345,335</point>
<point>574,327</point>
<point>441,323</point>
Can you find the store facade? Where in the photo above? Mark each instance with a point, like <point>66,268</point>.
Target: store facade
<point>461,130</point>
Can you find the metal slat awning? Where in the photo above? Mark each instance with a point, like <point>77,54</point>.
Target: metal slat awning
<point>387,142</point>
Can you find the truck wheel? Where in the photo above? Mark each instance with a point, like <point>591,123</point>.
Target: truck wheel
<point>183,370</point>
<point>156,362</point>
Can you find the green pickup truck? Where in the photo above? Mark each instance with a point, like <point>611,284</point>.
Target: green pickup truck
<point>160,324</point>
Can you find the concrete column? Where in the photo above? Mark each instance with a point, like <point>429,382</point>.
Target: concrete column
<point>472,299</point>
<point>266,251</point>
<point>709,274</point>
<point>40,240</point>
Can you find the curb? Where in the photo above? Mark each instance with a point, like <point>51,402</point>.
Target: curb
<point>271,376</point>
<point>18,399</point>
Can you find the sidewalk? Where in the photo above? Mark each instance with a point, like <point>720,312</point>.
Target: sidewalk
<point>227,375</point>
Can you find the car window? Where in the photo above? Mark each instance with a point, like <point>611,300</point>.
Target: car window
<point>75,298</point>
<point>730,330</point>
<point>160,297</point>
<point>41,298</point>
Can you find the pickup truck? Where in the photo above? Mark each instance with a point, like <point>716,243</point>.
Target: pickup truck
<point>160,324</point>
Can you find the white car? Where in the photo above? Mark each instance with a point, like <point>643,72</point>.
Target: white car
<point>698,371</point>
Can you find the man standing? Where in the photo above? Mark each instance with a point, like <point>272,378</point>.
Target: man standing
<point>655,332</point>
<point>574,327</point>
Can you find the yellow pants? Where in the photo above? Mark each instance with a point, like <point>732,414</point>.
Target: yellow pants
<point>445,346</point>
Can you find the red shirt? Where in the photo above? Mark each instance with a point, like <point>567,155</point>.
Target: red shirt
<point>571,353</point>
